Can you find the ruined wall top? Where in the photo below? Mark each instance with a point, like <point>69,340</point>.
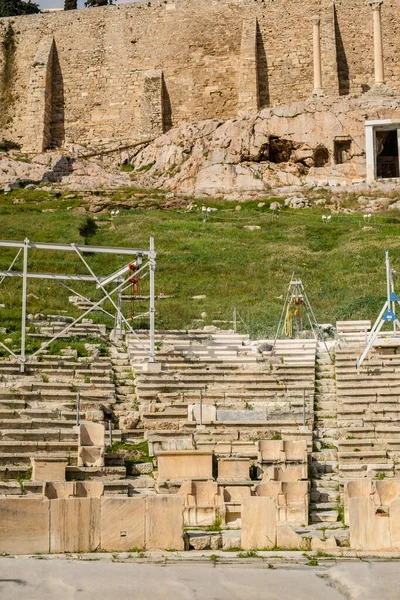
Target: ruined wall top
<point>98,83</point>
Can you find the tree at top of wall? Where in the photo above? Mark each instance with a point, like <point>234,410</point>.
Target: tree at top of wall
<point>92,3</point>
<point>70,4</point>
<point>14,8</point>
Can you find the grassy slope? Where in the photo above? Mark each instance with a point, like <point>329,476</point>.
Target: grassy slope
<point>341,264</point>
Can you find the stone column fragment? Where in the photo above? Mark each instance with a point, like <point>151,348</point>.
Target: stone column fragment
<point>378,42</point>
<point>316,21</point>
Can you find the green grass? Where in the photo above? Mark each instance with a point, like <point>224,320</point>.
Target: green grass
<point>248,554</point>
<point>133,453</point>
<point>341,264</point>
<point>216,524</point>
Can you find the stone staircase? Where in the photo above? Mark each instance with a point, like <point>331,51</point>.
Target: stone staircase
<point>250,391</point>
<point>257,393</point>
<point>324,459</point>
<point>38,413</point>
<point>368,413</point>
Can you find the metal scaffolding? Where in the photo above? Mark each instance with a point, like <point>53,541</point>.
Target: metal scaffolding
<point>387,314</point>
<point>142,260</point>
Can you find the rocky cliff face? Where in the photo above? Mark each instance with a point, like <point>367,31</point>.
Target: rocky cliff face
<point>288,145</point>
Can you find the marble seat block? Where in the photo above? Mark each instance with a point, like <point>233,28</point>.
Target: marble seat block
<point>296,500</point>
<point>270,451</point>
<point>181,465</point>
<point>369,530</point>
<point>286,473</point>
<point>270,489</point>
<point>203,502</point>
<point>386,492</point>
<point>91,445</point>
<point>244,448</point>
<point>234,495</point>
<point>48,469</point>
<point>258,523</point>
<point>234,468</point>
<point>73,489</point>
<point>359,488</point>
<point>295,451</point>
<point>209,413</point>
<point>296,492</point>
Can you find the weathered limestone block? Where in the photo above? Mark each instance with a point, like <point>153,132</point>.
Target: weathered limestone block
<point>122,524</point>
<point>271,451</point>
<point>24,525</point>
<point>258,523</point>
<point>73,489</point>
<point>234,469</point>
<point>329,544</point>
<point>394,514</point>
<point>203,502</point>
<point>368,530</point>
<point>199,541</point>
<point>285,473</point>
<point>164,523</point>
<point>91,445</point>
<point>288,539</point>
<point>386,492</point>
<point>269,489</point>
<point>209,413</point>
<point>295,451</point>
<point>74,525</point>
<point>359,488</point>
<point>231,539</point>
<point>184,465</point>
<point>48,469</point>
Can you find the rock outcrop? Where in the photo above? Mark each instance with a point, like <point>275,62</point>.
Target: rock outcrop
<point>288,145</point>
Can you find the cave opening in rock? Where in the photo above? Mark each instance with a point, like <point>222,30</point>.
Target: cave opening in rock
<point>280,149</point>
<point>321,156</point>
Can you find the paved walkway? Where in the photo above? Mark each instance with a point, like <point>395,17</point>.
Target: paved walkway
<point>47,579</point>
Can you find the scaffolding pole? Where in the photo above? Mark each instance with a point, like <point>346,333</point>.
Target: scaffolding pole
<point>387,314</point>
<point>100,281</point>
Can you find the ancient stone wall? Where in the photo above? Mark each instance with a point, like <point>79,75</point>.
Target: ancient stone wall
<point>118,73</point>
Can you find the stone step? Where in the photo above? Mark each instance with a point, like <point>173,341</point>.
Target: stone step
<point>29,425</point>
<point>10,447</point>
<point>324,516</point>
<point>23,459</point>
<point>323,506</point>
<point>39,435</point>
<point>363,457</point>
<point>374,470</point>
<point>75,473</point>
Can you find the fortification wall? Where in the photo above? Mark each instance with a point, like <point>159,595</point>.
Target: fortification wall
<point>117,73</point>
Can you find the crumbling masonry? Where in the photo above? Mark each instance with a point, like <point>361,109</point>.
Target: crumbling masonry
<point>115,74</point>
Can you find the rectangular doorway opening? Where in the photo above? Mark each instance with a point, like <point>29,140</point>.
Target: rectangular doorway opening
<point>342,149</point>
<point>387,154</point>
